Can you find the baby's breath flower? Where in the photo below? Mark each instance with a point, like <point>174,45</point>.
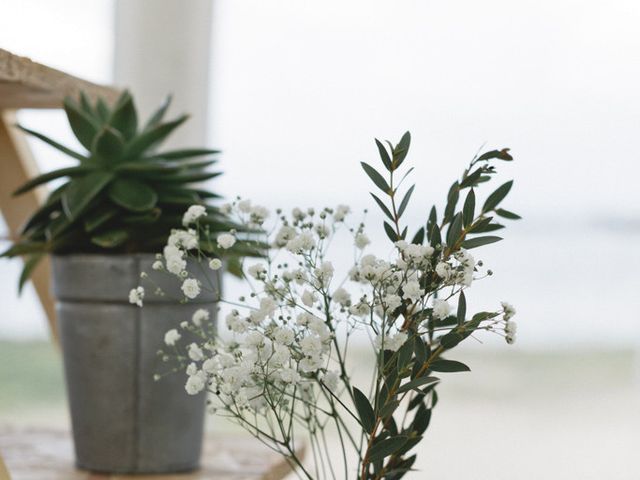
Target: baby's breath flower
<point>341,212</point>
<point>199,316</point>
<point>192,214</point>
<point>136,295</point>
<point>244,206</point>
<point>195,352</point>
<point>342,297</point>
<point>362,241</point>
<point>509,310</point>
<point>391,342</point>
<point>215,264</point>
<point>308,298</point>
<point>226,240</point>
<point>195,384</point>
<point>412,291</point>
<point>441,309</point>
<point>191,288</point>
<point>171,337</point>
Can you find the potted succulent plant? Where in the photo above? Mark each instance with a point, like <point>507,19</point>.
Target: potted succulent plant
<point>117,206</point>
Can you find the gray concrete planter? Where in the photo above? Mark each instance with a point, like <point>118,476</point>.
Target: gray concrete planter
<point>123,420</point>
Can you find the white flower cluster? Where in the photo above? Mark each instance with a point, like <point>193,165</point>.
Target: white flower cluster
<point>284,342</point>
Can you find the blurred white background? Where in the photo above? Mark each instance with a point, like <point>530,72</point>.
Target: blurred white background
<point>300,89</point>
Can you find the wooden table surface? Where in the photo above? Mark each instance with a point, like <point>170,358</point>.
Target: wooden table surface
<point>39,454</point>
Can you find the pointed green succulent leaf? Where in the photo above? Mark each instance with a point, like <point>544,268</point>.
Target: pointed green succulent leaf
<point>53,143</point>
<point>84,127</point>
<point>124,117</point>
<point>152,137</point>
<point>158,115</point>
<point>30,263</point>
<point>132,194</point>
<point>103,112</point>
<point>108,145</point>
<point>82,191</point>
<point>182,154</point>
<point>47,177</point>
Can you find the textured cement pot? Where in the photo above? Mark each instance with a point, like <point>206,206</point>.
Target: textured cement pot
<point>123,420</point>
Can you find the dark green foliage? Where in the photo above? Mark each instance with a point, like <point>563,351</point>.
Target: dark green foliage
<point>407,374</point>
<point>125,196</point>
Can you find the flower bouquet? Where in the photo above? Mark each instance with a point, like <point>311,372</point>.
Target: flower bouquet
<point>283,372</point>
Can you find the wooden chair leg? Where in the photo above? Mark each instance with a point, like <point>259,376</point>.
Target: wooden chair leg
<point>16,167</point>
<point>4,472</point>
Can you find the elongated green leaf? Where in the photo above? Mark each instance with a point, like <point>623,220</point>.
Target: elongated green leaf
<point>110,239</point>
<point>132,194</point>
<point>53,143</point>
<point>499,154</point>
<point>388,409</point>
<point>30,263</point>
<point>365,411</point>
<point>83,126</point>
<point>401,150</point>
<point>47,177</point>
<point>469,208</point>
<point>124,117</point>
<point>507,214</point>
<point>108,144</point>
<point>383,207</point>
<point>455,230</point>
<point>153,136</point>
<point>417,383</point>
<point>462,308</point>
<point>405,201</point>
<point>384,155</point>
<point>422,419</point>
<point>436,236</point>
<point>448,366</point>
<point>479,241</point>
<point>418,238</point>
<point>387,447</point>
<point>497,196</point>
<point>391,233</point>
<point>376,178</point>
<point>452,202</point>
<point>82,191</point>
